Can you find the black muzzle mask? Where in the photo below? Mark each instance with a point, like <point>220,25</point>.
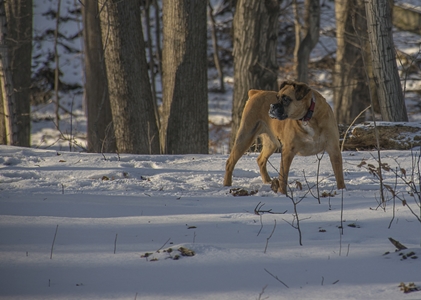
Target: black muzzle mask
<point>277,111</point>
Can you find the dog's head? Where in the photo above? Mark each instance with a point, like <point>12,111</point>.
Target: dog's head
<point>289,103</point>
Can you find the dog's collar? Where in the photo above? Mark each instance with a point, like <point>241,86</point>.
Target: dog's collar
<point>310,110</point>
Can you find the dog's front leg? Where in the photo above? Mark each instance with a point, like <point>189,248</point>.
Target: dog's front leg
<point>268,147</point>
<point>286,160</point>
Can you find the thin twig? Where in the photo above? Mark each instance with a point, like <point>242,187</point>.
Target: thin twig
<point>262,292</point>
<point>349,127</point>
<point>54,240</point>
<point>394,200</point>
<point>163,245</point>
<point>276,277</point>
<point>340,243</point>
<point>342,213</point>
<point>267,240</point>
<point>115,243</point>
<point>261,225</point>
<point>317,175</point>
<point>258,210</point>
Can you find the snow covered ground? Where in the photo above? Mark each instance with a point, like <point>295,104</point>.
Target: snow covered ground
<point>87,226</point>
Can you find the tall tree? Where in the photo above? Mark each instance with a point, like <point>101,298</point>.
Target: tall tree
<point>17,64</point>
<point>255,34</point>
<point>351,91</point>
<point>184,127</point>
<point>306,36</point>
<point>385,70</point>
<point>135,125</point>
<point>7,130</point>
<point>100,126</point>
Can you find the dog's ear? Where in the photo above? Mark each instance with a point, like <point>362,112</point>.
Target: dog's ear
<point>286,82</point>
<point>301,90</point>
<point>253,92</point>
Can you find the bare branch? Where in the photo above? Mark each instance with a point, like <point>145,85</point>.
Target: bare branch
<point>276,277</point>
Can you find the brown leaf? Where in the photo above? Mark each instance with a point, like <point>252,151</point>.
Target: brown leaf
<point>403,171</point>
<point>362,163</point>
<point>371,166</point>
<point>242,192</point>
<point>386,167</point>
<point>186,251</point>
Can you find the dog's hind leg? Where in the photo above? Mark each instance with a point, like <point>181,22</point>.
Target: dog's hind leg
<point>268,147</point>
<point>243,141</point>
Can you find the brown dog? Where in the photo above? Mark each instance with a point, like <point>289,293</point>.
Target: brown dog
<point>297,117</point>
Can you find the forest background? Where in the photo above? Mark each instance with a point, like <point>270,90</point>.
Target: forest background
<point>148,76</point>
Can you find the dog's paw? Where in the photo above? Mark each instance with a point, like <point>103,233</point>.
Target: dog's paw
<point>274,185</point>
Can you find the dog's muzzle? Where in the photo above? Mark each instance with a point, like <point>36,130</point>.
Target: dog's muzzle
<point>277,111</point>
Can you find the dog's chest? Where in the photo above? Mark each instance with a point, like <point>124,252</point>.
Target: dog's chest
<point>308,130</point>
<point>311,141</point>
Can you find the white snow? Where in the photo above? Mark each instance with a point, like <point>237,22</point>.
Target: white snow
<point>138,204</point>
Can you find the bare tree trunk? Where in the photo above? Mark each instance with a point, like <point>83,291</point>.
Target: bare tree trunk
<point>184,127</point>
<point>19,40</point>
<point>255,67</point>
<point>135,126</point>
<point>306,36</point>
<point>100,126</point>
<point>385,71</point>
<point>351,91</point>
<point>10,130</point>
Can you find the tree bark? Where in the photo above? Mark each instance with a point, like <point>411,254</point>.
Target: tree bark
<point>19,52</point>
<point>306,37</point>
<point>135,125</point>
<point>9,118</point>
<point>184,127</point>
<point>385,71</point>
<point>255,67</point>
<point>100,128</point>
<point>351,93</point>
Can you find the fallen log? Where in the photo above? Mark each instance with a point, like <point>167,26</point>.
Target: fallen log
<point>392,136</point>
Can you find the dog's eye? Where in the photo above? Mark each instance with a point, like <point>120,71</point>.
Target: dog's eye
<point>286,100</point>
